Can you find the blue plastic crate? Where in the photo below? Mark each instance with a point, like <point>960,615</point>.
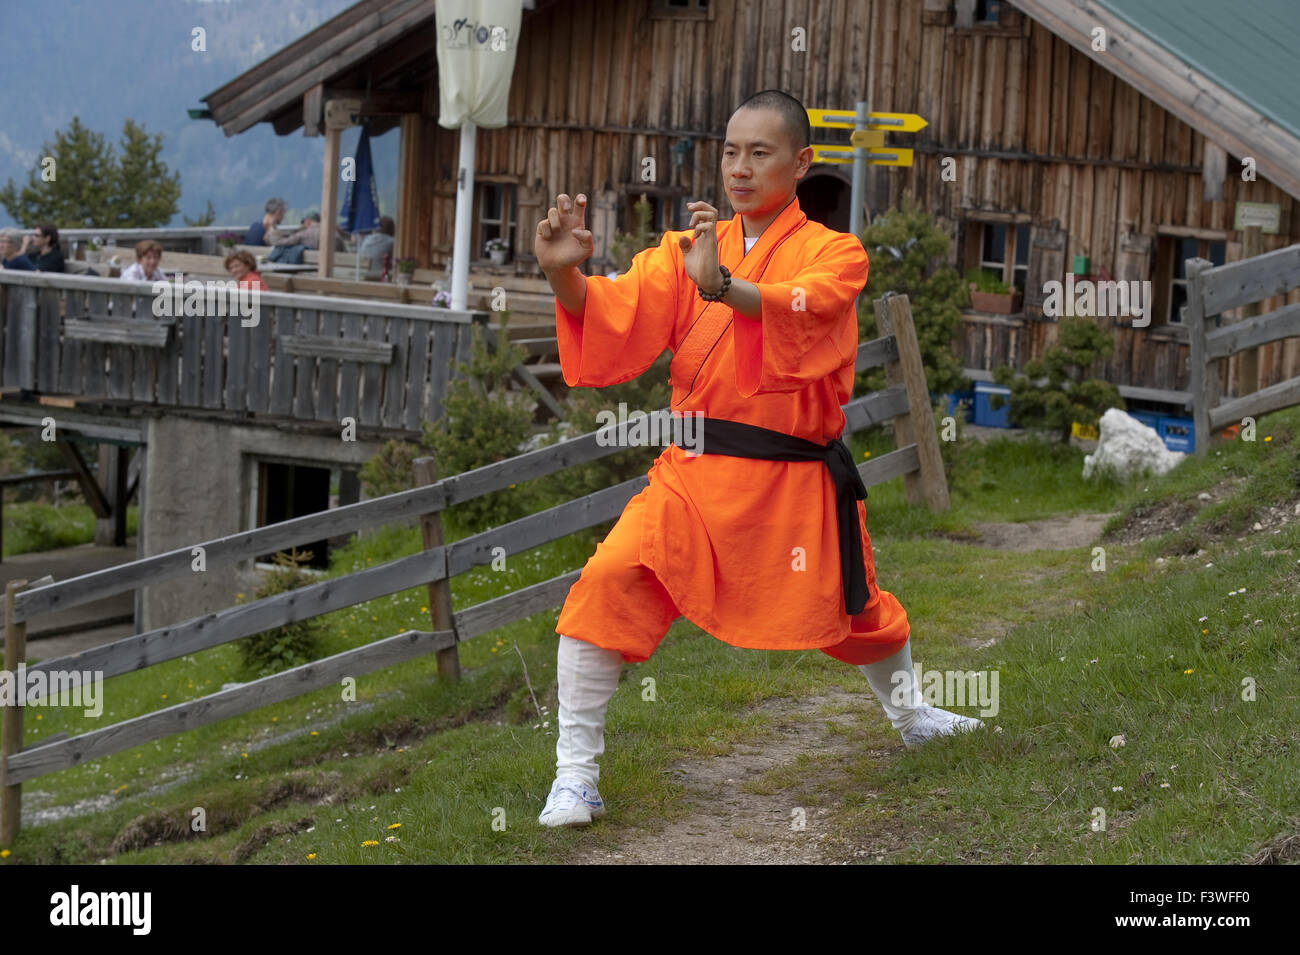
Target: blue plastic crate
<point>985,415</point>
<point>1148,418</point>
<point>1178,434</point>
<point>952,399</point>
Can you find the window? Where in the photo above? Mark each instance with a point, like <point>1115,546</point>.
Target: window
<point>682,9</point>
<point>1003,250</point>
<point>286,491</point>
<point>987,11</point>
<point>662,209</point>
<point>496,215</point>
<point>1182,249</point>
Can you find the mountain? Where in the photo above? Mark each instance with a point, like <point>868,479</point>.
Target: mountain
<point>109,61</point>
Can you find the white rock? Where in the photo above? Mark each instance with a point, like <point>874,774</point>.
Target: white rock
<point>1128,448</point>
<point>1204,496</point>
<point>1258,526</point>
<point>1117,741</point>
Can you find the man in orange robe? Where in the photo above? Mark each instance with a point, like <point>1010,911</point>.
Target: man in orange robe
<point>759,313</point>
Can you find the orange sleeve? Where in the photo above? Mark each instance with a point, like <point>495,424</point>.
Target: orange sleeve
<point>626,322</point>
<point>808,328</point>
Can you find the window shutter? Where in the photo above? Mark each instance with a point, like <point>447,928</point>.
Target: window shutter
<point>1134,264</point>
<point>965,14</point>
<point>1046,262</point>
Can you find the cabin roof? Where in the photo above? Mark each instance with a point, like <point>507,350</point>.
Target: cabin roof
<point>377,46</point>
<point>1225,69</point>
<point>1248,47</point>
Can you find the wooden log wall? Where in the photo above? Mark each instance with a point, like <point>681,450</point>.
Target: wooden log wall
<point>1035,127</point>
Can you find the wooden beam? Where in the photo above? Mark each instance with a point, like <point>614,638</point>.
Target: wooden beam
<point>1216,168</point>
<point>89,486</point>
<point>408,187</point>
<point>313,111</point>
<point>329,197</point>
<point>381,102</point>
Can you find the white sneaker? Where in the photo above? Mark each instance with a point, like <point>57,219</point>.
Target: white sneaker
<point>932,721</point>
<point>571,803</point>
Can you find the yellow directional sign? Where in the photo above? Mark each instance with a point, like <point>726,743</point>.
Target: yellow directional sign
<point>867,138</point>
<point>883,156</point>
<point>845,119</point>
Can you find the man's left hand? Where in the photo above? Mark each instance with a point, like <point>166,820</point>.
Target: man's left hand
<point>700,250</point>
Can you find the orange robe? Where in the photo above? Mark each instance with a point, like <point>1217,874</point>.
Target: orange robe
<point>745,549</point>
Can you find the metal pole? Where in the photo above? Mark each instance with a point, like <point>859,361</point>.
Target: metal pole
<point>859,174</point>
<point>464,210</point>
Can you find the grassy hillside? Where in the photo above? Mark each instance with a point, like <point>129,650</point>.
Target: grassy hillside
<point>1194,606</point>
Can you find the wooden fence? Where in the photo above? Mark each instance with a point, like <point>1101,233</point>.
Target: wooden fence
<point>905,401</point>
<point>308,358</point>
<point>1211,291</point>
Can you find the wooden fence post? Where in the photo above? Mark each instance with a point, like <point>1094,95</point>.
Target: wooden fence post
<point>439,590</point>
<point>1252,244</point>
<point>1203,380</point>
<point>11,730</point>
<point>929,486</point>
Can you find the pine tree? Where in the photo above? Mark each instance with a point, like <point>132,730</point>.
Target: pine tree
<point>86,185</point>
<point>1067,396</point>
<point>908,253</point>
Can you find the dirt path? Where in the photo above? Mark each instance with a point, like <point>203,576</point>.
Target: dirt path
<point>742,811</point>
<point>1051,533</point>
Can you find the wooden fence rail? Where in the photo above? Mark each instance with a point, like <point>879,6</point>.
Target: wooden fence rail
<point>1212,290</point>
<point>906,402</point>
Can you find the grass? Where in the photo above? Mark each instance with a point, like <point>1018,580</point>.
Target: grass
<point>1082,655</point>
<point>35,526</point>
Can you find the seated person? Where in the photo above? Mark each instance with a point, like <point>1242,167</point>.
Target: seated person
<point>148,254</point>
<point>243,268</point>
<point>42,247</point>
<point>11,256</point>
<point>290,248</point>
<point>265,230</point>
<point>378,244</point>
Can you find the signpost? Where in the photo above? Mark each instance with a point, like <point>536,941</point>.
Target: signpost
<point>866,145</point>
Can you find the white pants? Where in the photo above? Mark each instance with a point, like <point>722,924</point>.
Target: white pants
<point>587,677</point>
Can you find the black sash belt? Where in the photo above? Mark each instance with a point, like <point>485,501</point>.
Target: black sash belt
<point>739,440</point>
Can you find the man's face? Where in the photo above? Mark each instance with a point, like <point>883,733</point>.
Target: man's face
<point>8,249</point>
<point>278,216</point>
<point>759,164</point>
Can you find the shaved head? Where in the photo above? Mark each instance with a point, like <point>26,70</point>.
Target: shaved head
<point>793,115</point>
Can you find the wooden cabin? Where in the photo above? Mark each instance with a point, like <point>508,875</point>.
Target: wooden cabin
<point>1132,156</point>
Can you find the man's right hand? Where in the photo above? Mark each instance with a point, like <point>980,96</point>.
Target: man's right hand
<point>563,241</point>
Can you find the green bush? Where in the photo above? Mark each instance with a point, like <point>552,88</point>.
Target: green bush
<point>909,254</point>
<point>484,421</point>
<point>1067,396</point>
<point>292,644</point>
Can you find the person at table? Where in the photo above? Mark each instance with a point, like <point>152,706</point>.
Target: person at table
<point>266,229</point>
<point>148,254</point>
<point>11,254</point>
<point>42,248</point>
<point>243,269</point>
<point>378,244</point>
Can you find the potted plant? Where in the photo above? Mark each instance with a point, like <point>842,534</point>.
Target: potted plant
<point>988,293</point>
<point>228,240</point>
<point>496,250</point>
<point>405,269</point>
<point>442,299</point>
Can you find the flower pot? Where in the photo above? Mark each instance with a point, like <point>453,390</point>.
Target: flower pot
<point>402,278</point>
<point>998,304</point>
<point>498,256</point>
